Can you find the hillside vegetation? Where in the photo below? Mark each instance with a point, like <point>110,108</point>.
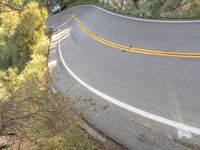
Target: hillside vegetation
<point>163,9</point>
<point>29,110</point>
<point>173,9</point>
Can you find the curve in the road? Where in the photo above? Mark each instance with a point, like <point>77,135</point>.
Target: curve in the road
<point>141,19</point>
<point>132,49</point>
<point>163,120</point>
<point>177,125</point>
<point>180,126</point>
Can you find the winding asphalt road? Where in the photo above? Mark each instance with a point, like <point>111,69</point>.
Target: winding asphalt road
<point>162,91</point>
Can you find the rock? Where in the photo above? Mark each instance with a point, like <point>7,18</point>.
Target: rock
<point>119,4</point>
<point>188,6</point>
<point>4,142</point>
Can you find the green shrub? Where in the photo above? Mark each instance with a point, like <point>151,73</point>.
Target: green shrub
<point>68,2</point>
<point>150,8</point>
<point>29,32</point>
<point>73,140</point>
<point>41,47</point>
<point>9,21</point>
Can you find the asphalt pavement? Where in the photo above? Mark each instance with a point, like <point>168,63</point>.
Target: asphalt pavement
<point>155,87</point>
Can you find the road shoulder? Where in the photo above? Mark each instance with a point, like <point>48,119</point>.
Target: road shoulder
<point>117,124</point>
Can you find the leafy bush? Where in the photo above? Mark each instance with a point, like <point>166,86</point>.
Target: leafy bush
<point>28,108</point>
<point>68,2</point>
<point>29,32</point>
<point>158,8</point>
<point>9,21</point>
<point>151,8</point>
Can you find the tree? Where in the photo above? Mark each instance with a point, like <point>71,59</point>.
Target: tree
<point>10,5</point>
<point>29,31</point>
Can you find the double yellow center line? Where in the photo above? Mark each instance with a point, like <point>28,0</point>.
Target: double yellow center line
<point>132,49</point>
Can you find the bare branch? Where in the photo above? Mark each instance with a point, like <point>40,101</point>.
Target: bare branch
<point>10,6</point>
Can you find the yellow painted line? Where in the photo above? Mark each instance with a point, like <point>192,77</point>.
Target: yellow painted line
<point>132,49</point>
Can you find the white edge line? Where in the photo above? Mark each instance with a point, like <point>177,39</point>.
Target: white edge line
<point>177,125</point>
<point>130,108</point>
<point>139,19</point>
<point>58,27</point>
